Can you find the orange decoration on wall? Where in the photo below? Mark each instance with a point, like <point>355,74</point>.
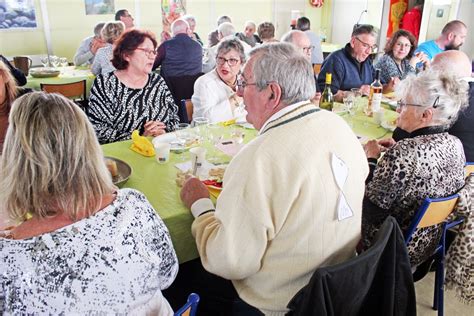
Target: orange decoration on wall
<point>316,3</point>
<point>395,15</point>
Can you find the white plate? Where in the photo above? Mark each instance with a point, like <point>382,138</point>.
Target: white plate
<point>388,126</point>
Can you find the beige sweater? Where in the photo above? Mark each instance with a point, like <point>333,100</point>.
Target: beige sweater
<point>276,218</point>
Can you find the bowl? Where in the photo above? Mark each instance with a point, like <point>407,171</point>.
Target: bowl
<point>123,171</point>
<point>44,72</point>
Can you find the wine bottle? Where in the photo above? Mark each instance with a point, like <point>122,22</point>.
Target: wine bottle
<point>375,96</point>
<point>326,102</point>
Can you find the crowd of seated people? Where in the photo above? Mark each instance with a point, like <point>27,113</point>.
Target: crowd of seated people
<point>251,263</point>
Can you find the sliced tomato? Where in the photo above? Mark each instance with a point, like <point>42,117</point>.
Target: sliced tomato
<point>213,183</point>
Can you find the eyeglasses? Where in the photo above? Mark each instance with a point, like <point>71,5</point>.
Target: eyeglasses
<point>372,48</point>
<point>149,52</point>
<point>406,45</point>
<point>241,83</point>
<point>401,104</point>
<point>231,61</point>
<point>308,49</point>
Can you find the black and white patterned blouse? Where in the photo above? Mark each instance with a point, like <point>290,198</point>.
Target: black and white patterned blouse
<point>116,261</point>
<point>430,164</point>
<point>116,110</point>
<point>389,68</point>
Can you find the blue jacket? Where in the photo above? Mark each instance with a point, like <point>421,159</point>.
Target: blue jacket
<point>179,56</point>
<point>345,71</point>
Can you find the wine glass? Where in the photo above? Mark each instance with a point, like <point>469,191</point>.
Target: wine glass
<point>45,61</point>
<point>54,61</point>
<point>63,61</point>
<point>215,136</point>
<point>182,136</point>
<point>200,123</point>
<point>349,104</point>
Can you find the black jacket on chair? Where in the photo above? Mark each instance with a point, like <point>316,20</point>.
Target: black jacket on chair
<point>377,282</point>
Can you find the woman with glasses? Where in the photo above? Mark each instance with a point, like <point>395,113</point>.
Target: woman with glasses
<point>215,94</point>
<point>132,97</point>
<point>400,60</point>
<point>429,163</point>
<point>109,33</point>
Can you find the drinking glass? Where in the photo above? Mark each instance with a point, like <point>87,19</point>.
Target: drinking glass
<point>63,61</point>
<point>200,123</point>
<point>182,135</point>
<point>215,135</point>
<point>237,135</point>
<point>349,104</point>
<point>45,61</point>
<point>54,61</point>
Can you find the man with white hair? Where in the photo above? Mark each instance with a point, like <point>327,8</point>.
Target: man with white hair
<point>225,31</point>
<point>300,40</point>
<point>212,38</point>
<point>279,216</point>
<point>452,37</point>
<point>180,55</point>
<point>192,28</point>
<point>248,35</point>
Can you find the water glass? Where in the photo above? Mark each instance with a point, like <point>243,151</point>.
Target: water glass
<point>45,61</point>
<point>200,123</point>
<point>349,104</point>
<point>63,61</point>
<point>182,135</point>
<point>54,61</point>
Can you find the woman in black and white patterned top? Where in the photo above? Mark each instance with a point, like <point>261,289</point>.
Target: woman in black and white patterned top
<point>131,98</point>
<point>88,248</point>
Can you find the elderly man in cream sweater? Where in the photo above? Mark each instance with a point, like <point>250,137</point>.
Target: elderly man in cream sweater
<point>291,199</point>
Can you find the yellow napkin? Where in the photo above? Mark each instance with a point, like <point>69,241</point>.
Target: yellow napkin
<point>142,145</point>
<point>227,123</point>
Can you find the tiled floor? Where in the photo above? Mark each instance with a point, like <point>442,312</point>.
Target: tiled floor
<point>424,298</point>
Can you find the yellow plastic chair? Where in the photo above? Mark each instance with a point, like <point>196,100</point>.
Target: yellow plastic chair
<point>75,91</point>
<point>469,168</point>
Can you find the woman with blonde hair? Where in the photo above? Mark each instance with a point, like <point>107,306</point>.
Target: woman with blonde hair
<point>110,33</point>
<point>88,248</point>
<point>8,92</point>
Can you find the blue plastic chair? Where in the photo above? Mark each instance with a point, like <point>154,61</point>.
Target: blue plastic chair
<point>433,212</point>
<point>189,309</point>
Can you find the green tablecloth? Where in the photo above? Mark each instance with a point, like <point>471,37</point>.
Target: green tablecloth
<point>158,181</point>
<point>68,75</point>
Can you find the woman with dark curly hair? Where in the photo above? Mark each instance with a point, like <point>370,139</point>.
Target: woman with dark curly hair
<point>132,97</point>
<point>399,60</point>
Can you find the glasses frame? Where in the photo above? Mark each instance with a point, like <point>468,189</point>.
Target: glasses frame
<point>231,61</point>
<point>373,48</point>
<point>308,49</point>
<point>148,52</point>
<point>400,44</point>
<point>401,104</point>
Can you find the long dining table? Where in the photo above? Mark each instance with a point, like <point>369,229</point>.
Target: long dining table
<point>158,181</point>
<point>68,74</point>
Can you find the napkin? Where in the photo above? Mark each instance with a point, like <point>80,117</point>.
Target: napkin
<point>142,145</point>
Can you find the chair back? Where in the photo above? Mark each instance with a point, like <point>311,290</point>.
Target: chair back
<point>189,309</point>
<point>431,212</point>
<point>469,168</point>
<point>188,105</point>
<point>75,90</point>
<point>377,282</point>
<point>182,87</point>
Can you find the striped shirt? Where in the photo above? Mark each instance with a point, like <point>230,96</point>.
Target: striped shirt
<point>116,110</point>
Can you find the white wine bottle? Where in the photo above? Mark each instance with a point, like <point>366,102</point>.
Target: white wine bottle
<point>326,102</point>
<point>375,96</point>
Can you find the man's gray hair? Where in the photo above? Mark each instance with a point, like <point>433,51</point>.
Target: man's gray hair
<point>179,26</point>
<point>223,19</point>
<point>288,37</point>
<point>442,91</point>
<point>98,28</point>
<point>226,29</point>
<point>250,23</point>
<point>189,17</point>
<point>288,67</point>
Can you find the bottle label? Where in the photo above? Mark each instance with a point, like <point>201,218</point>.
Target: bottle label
<point>376,100</point>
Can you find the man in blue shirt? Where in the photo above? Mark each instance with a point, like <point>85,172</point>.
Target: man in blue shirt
<point>452,37</point>
<point>351,66</point>
<point>180,55</point>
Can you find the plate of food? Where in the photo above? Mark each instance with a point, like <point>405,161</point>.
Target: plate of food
<point>119,170</point>
<point>44,72</point>
<point>191,140</point>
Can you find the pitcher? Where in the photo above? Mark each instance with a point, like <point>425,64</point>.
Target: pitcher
<point>23,63</point>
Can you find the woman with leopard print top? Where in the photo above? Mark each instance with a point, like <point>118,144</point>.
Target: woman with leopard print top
<point>430,163</point>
